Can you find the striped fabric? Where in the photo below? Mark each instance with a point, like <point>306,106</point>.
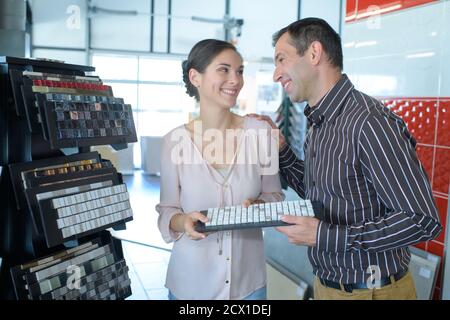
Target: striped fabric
<point>361,163</point>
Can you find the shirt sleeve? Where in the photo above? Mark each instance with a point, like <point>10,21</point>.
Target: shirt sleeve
<point>170,192</point>
<point>292,170</point>
<point>390,164</point>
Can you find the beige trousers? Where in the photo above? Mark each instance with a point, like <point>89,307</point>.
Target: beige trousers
<point>402,289</point>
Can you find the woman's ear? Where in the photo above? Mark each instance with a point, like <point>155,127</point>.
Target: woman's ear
<point>195,77</point>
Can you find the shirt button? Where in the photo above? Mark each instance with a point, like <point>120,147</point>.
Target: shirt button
<point>227,282</point>
<point>228,258</point>
<point>228,233</point>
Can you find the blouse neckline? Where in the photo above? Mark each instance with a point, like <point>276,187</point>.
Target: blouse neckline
<point>213,171</point>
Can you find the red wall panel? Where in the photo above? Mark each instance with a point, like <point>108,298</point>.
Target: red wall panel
<point>419,115</point>
<point>443,133</point>
<point>427,119</point>
<point>425,154</point>
<point>436,248</point>
<point>441,170</point>
<point>361,9</point>
<point>442,205</point>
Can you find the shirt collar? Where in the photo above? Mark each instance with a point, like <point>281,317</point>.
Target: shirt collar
<point>327,109</point>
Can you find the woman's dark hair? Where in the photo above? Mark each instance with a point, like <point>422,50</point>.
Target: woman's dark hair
<point>199,59</point>
<point>303,32</point>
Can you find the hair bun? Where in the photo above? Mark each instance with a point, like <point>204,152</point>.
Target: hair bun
<point>184,65</point>
<point>190,89</point>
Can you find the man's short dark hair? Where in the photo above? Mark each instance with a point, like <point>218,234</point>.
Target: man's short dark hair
<point>305,31</point>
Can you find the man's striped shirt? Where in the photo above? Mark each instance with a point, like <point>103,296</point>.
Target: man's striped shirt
<point>361,163</point>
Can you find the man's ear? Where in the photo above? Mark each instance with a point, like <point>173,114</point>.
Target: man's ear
<point>316,52</point>
<point>195,77</point>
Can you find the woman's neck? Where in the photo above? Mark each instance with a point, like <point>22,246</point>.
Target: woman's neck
<point>215,118</point>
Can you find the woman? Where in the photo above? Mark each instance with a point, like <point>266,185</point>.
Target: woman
<point>200,172</point>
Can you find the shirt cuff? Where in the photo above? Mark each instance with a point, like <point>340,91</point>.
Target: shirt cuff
<point>174,235</point>
<point>331,237</point>
<point>164,218</point>
<point>287,156</point>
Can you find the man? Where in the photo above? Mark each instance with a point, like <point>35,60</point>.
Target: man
<point>361,164</point>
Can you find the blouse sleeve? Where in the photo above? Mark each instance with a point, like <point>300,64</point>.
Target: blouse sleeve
<point>170,192</point>
<point>269,164</point>
<point>271,189</point>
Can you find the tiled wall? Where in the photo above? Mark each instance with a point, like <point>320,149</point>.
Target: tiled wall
<point>400,55</point>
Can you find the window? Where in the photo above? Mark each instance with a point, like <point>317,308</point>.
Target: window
<point>160,70</point>
<point>154,87</point>
<point>116,68</point>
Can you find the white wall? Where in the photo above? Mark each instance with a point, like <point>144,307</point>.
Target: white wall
<point>58,24</point>
<point>61,24</point>
<point>326,9</point>
<point>68,56</point>
<point>121,32</point>
<point>261,20</point>
<point>400,54</point>
<point>132,32</point>
<point>186,32</point>
<point>160,26</point>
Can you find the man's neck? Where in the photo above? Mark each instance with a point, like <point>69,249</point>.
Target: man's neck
<point>325,82</point>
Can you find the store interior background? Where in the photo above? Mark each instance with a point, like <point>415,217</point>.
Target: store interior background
<point>397,51</point>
